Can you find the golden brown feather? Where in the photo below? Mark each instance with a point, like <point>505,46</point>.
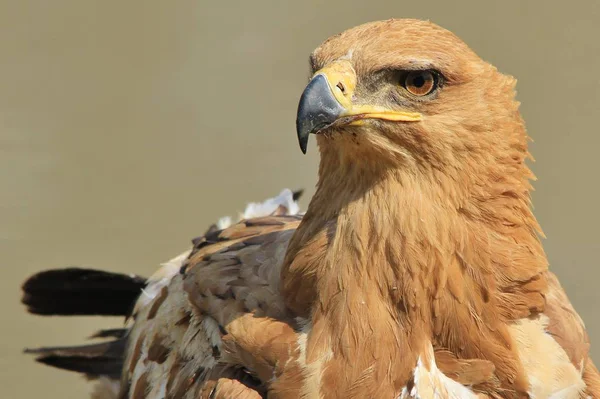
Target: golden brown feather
<point>429,240</point>
<point>416,271</point>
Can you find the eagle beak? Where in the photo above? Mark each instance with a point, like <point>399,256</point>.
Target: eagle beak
<point>327,100</point>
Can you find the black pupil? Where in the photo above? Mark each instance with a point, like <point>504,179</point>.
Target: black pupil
<point>418,81</point>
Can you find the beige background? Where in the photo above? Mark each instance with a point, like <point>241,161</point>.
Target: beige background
<point>126,127</point>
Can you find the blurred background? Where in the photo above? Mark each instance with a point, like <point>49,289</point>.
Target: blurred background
<point>127,127</point>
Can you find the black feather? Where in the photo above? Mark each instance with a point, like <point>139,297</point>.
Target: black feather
<point>297,194</point>
<point>75,291</point>
<point>110,333</point>
<point>97,360</point>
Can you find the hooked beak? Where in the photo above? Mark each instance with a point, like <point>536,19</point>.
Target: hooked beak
<point>327,100</point>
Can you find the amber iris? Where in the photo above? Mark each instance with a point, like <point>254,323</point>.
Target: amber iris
<point>420,83</point>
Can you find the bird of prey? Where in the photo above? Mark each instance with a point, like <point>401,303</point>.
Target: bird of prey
<point>417,270</point>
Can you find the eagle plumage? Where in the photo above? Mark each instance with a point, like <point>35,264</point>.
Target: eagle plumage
<point>416,272</point>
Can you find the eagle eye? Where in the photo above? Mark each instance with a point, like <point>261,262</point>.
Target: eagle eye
<point>420,83</point>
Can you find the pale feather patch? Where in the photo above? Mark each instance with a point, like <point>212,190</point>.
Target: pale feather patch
<point>311,388</point>
<point>547,366</point>
<point>162,389</point>
<point>224,222</point>
<point>431,383</point>
<point>285,199</point>
<point>142,366</point>
<point>193,343</point>
<point>159,391</point>
<point>106,388</point>
<point>305,327</point>
<point>348,56</point>
<point>161,278</point>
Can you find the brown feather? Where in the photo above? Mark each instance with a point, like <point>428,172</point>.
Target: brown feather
<point>429,242</point>
<point>418,265</point>
<point>95,360</point>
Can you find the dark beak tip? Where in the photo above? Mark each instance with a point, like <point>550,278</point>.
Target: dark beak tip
<point>317,109</point>
<point>303,144</point>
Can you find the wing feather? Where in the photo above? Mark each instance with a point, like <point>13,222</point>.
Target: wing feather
<point>175,348</point>
<point>568,330</point>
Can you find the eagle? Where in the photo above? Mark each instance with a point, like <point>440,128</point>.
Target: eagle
<point>417,270</point>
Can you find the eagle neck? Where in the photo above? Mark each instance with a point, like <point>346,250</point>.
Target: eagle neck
<point>382,255</point>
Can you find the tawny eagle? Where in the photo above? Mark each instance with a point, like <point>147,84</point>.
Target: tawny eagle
<point>416,272</point>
